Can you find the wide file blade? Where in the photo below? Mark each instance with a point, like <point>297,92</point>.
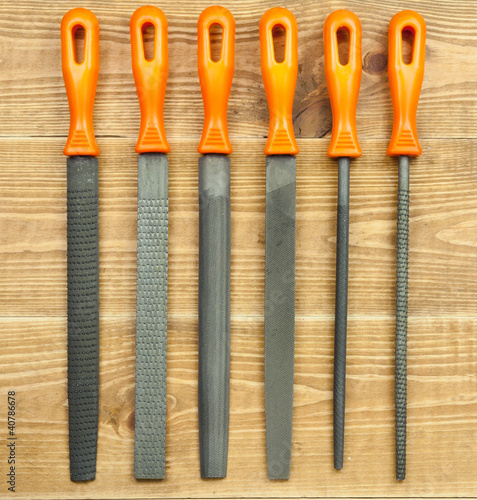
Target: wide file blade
<point>151,317</point>
<point>279,311</point>
<point>83,314</point>
<point>214,313</point>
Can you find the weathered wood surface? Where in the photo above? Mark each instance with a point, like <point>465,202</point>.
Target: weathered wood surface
<point>442,444</point>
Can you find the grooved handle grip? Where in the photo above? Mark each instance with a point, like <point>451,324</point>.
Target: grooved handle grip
<point>343,82</point>
<point>279,80</point>
<point>405,81</point>
<point>80,80</point>
<point>216,79</point>
<point>151,78</point>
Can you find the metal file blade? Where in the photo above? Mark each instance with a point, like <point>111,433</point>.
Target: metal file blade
<point>83,314</point>
<point>279,311</point>
<point>151,317</point>
<point>214,313</point>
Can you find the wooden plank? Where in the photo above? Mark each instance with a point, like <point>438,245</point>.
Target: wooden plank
<point>33,100</point>
<point>442,411</point>
<point>442,245</point>
<point>34,119</point>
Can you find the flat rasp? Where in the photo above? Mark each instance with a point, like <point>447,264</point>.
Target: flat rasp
<point>405,81</point>
<point>279,81</point>
<point>82,243</point>
<point>214,243</point>
<point>150,76</point>
<point>343,80</point>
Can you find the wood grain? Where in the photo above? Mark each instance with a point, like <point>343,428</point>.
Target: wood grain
<point>443,241</point>
<point>442,442</point>
<point>442,411</point>
<point>33,100</point>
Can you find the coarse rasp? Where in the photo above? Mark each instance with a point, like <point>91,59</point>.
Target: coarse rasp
<point>82,242</point>
<point>405,80</point>
<point>150,76</point>
<point>279,79</point>
<point>214,243</point>
<point>343,81</point>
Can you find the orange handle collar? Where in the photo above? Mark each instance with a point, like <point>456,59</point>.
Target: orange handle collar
<point>279,80</point>
<point>343,82</point>
<point>405,81</point>
<point>151,78</point>
<point>80,80</point>
<point>216,79</point>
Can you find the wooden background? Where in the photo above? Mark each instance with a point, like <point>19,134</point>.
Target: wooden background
<point>34,120</point>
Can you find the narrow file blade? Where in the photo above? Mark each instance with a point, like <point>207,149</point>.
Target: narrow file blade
<point>341,311</point>
<point>151,317</point>
<point>214,313</point>
<point>279,311</point>
<point>401,316</point>
<point>83,315</point>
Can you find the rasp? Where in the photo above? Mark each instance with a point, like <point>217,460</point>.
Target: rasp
<point>150,76</point>
<point>82,243</point>
<point>279,79</point>
<point>214,243</point>
<point>343,80</point>
<point>405,80</point>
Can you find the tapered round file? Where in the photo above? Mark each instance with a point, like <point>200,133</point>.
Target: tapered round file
<point>343,81</point>
<point>405,80</point>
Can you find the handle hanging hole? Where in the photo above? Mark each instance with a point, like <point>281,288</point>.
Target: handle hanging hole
<point>343,41</point>
<point>408,35</point>
<point>215,37</point>
<point>279,35</point>
<point>78,34</point>
<point>148,36</point>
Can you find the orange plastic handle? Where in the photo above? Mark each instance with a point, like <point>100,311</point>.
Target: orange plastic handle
<point>80,80</point>
<point>405,81</point>
<point>151,78</point>
<point>279,80</point>
<point>216,79</point>
<point>343,82</point>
